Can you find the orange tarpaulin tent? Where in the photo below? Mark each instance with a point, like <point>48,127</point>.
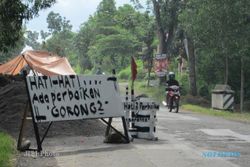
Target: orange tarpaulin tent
<point>42,62</point>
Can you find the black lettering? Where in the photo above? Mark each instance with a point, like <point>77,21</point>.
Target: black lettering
<point>70,93</point>
<point>62,111</point>
<point>97,93</point>
<point>33,82</point>
<point>55,82</point>
<point>92,108</point>
<point>54,112</point>
<point>35,98</point>
<point>76,110</point>
<point>41,98</point>
<point>61,81</point>
<point>46,97</point>
<point>78,81</point>
<point>77,97</point>
<point>53,97</point>
<point>64,94</point>
<point>58,96</point>
<point>72,77</point>
<point>100,105</point>
<point>45,78</point>
<point>91,92</point>
<point>67,83</point>
<point>84,90</point>
<point>40,82</point>
<point>84,109</point>
<point>69,111</point>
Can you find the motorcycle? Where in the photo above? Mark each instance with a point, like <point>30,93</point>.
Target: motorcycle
<point>173,98</point>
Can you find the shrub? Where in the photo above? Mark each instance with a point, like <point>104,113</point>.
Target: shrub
<point>183,81</point>
<point>152,76</point>
<point>124,75</point>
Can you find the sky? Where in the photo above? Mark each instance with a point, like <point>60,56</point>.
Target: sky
<point>77,11</point>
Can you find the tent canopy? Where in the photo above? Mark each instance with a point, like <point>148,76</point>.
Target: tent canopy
<point>43,62</point>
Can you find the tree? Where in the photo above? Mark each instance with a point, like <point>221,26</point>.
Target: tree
<point>32,40</point>
<point>82,42</point>
<point>166,17</point>
<point>12,51</point>
<point>61,40</point>
<point>108,39</point>
<point>57,23</point>
<point>220,30</point>
<point>12,15</point>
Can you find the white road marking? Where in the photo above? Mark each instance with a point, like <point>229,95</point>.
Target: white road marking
<point>225,132</point>
<point>175,117</point>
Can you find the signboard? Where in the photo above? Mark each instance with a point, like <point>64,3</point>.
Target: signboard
<point>71,97</point>
<point>141,105</point>
<point>160,56</point>
<point>160,65</point>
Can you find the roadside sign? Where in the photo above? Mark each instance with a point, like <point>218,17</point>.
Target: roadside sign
<point>72,97</point>
<point>160,65</point>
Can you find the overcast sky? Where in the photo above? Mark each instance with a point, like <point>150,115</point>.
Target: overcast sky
<point>77,11</point>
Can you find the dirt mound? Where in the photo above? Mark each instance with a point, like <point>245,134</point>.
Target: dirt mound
<point>13,100</point>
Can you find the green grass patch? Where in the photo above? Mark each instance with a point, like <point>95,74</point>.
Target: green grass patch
<point>156,93</point>
<point>7,150</point>
<point>236,116</point>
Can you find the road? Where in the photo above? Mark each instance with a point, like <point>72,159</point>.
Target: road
<point>184,138</point>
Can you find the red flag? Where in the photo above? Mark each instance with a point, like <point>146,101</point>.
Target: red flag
<point>133,69</point>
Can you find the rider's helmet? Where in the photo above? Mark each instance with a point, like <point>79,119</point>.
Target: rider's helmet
<point>171,75</point>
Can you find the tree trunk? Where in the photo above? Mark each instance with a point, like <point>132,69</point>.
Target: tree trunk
<point>173,24</point>
<point>162,42</point>
<point>226,63</point>
<point>242,85</point>
<point>226,71</point>
<point>149,72</point>
<point>192,73</point>
<point>162,49</point>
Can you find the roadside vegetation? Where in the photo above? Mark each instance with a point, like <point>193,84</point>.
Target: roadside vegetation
<point>200,49</point>
<point>236,116</point>
<point>189,103</point>
<point>7,150</point>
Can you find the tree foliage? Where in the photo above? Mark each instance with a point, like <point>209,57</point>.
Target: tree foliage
<point>32,40</point>
<point>13,13</point>
<point>61,41</point>
<point>221,31</point>
<point>111,36</point>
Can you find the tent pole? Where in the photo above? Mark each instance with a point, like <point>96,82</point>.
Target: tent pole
<point>16,67</point>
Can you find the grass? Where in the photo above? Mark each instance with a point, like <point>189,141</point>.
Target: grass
<point>158,94</point>
<point>7,150</point>
<point>236,116</point>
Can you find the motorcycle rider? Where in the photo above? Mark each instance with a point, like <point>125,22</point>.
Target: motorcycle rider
<point>170,82</point>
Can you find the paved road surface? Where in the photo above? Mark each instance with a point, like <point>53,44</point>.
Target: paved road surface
<point>183,139</point>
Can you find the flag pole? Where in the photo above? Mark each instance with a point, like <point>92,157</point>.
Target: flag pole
<point>133,76</point>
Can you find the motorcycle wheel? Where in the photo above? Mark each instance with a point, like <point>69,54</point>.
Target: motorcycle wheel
<point>177,106</point>
<point>170,106</point>
<point>174,106</point>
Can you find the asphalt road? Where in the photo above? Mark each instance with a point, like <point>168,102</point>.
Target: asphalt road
<point>185,140</point>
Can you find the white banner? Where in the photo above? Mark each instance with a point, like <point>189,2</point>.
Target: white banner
<point>73,97</point>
